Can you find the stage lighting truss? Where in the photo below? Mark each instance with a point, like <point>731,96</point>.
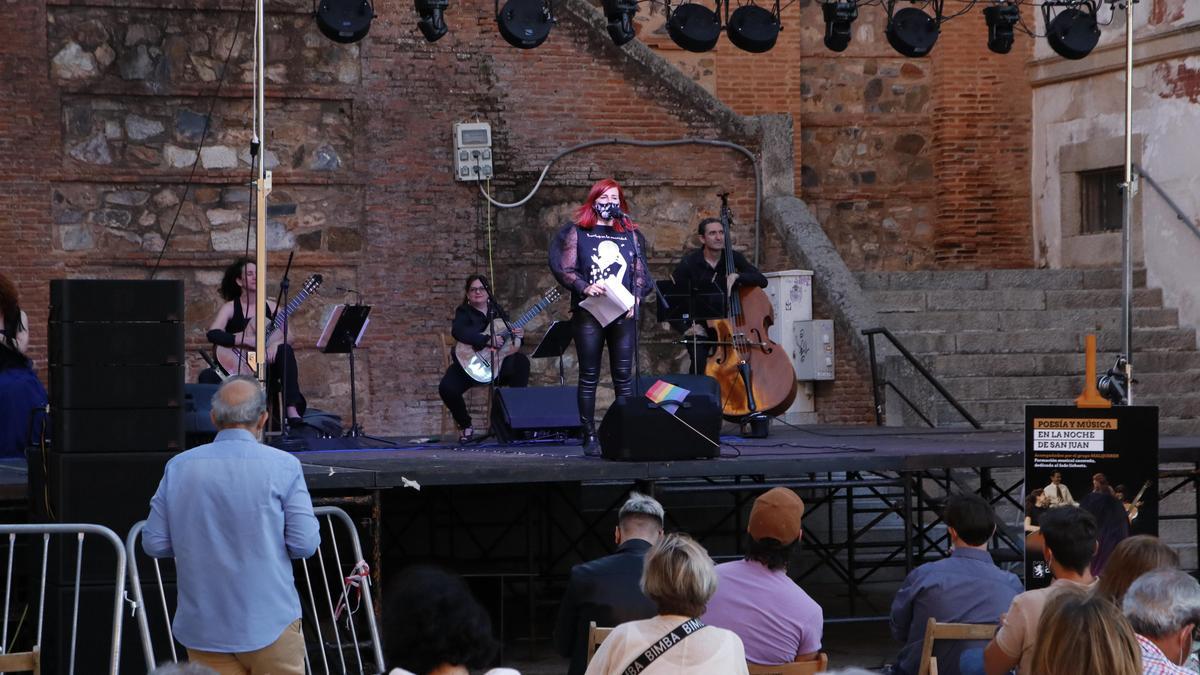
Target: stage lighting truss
<point>910,30</point>
<point>1072,29</point>
<point>525,24</point>
<point>753,28</point>
<point>694,27</point>
<point>432,21</point>
<point>344,21</point>
<point>839,18</point>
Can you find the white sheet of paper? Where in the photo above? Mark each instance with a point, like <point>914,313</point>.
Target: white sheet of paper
<point>609,307</point>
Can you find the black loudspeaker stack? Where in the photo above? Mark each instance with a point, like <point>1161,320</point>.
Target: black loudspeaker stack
<point>116,406</point>
<point>638,430</point>
<point>532,413</point>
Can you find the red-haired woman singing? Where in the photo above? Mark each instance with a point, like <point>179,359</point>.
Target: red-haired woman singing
<point>602,245</point>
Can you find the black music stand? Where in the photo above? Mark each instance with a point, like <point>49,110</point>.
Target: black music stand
<point>342,334</point>
<point>690,304</point>
<point>555,343</point>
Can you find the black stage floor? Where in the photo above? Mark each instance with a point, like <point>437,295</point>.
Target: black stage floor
<point>329,465</point>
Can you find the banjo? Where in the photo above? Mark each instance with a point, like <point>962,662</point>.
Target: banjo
<point>481,365</point>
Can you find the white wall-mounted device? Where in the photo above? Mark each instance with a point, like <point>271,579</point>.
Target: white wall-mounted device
<point>472,151</point>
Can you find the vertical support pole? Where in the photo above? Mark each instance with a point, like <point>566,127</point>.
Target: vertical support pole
<point>851,541</point>
<point>875,386</point>
<point>907,480</point>
<point>1127,215</point>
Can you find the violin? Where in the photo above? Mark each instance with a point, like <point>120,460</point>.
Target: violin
<point>755,373</point>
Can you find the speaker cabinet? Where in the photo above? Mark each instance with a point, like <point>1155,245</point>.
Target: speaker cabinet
<point>638,430</point>
<point>527,413</point>
<point>109,489</point>
<point>116,300</point>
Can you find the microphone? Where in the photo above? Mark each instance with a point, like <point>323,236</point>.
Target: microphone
<point>344,290</point>
<point>618,214</point>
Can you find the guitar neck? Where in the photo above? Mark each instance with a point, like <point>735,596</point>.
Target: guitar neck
<point>530,313</point>
<point>283,314</point>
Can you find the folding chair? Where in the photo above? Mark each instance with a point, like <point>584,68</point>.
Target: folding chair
<point>817,665</point>
<point>950,631</point>
<point>596,635</point>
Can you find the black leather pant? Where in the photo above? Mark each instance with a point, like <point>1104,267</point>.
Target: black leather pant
<point>514,372</point>
<point>590,338</point>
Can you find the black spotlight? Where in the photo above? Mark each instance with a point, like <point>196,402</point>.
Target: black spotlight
<point>1000,18</point>
<point>620,19</point>
<point>694,27</point>
<point>525,24</point>
<point>1073,34</point>
<point>839,18</point>
<point>912,32</point>
<point>433,21</point>
<point>344,21</point>
<point>753,29</point>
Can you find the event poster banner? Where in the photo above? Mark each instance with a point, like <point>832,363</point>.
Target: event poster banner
<point>1104,460</point>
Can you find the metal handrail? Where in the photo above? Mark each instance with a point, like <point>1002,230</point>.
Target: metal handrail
<point>1170,202</point>
<point>876,387</point>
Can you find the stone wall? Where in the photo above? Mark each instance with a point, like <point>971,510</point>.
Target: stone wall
<point>108,122</point>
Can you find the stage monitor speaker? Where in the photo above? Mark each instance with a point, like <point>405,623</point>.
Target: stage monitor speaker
<point>530,413</point>
<point>86,430</point>
<point>144,343</point>
<point>638,430</point>
<point>116,300</point>
<point>112,490</point>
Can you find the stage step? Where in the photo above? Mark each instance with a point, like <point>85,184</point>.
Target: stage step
<point>999,339</point>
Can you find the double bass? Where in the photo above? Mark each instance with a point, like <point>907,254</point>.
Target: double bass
<point>755,374</point>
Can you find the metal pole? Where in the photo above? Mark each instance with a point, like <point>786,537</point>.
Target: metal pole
<point>262,187</point>
<point>1127,212</point>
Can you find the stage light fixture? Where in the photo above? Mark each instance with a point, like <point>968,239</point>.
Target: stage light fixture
<point>525,24</point>
<point>752,28</point>
<point>620,15</point>
<point>1073,33</point>
<point>695,27</point>
<point>344,21</point>
<point>911,31</point>
<point>433,20</point>
<point>839,20</point>
<point>1000,18</point>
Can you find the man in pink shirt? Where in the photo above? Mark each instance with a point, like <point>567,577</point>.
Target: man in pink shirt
<point>777,621</point>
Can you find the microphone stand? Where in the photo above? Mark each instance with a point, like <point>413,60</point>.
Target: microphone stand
<point>494,311</point>
<point>281,302</point>
<point>640,256</point>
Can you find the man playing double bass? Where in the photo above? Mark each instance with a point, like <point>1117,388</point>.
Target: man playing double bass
<point>707,265</point>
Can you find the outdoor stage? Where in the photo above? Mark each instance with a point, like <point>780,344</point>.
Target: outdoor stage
<point>523,513</point>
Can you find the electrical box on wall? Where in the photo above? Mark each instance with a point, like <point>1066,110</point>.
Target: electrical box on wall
<point>472,151</point>
<point>812,349</point>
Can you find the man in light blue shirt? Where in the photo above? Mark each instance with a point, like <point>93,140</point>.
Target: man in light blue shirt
<point>967,587</point>
<point>234,514</point>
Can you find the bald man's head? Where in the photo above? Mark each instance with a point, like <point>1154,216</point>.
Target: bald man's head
<point>239,402</point>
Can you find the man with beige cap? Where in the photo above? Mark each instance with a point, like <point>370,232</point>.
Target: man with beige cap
<point>777,621</point>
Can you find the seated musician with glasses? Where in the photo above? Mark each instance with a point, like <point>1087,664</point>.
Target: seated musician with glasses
<point>474,326</point>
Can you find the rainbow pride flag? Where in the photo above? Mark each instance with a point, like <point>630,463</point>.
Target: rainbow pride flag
<point>666,395</point>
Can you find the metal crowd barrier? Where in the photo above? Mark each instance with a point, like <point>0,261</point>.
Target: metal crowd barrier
<point>337,618</point>
<point>30,660</point>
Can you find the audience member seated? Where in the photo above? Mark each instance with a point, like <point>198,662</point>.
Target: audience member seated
<point>1112,521</point>
<point>1082,632</point>
<point>608,590</point>
<point>967,587</point>
<point>1163,606</point>
<point>1069,534</point>
<point>434,626</point>
<point>777,621</point>
<point>22,396</point>
<point>1131,559</point>
<point>679,578</point>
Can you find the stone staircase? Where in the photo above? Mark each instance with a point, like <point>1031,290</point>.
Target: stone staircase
<point>999,339</point>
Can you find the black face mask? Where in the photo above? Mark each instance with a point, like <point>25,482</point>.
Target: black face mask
<point>605,211</point>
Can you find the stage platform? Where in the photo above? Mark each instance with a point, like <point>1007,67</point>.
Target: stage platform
<point>330,465</point>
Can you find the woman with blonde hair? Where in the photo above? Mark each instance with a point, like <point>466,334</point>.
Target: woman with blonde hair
<point>1083,632</point>
<point>679,578</point>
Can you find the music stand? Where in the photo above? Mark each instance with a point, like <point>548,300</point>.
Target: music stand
<point>341,335</point>
<point>691,303</point>
<point>555,343</point>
